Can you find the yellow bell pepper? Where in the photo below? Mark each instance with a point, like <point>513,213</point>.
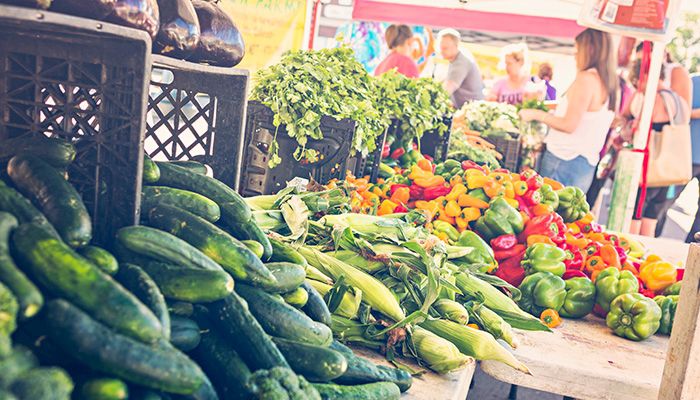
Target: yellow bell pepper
<point>477,181</point>
<point>510,189</point>
<point>452,208</point>
<point>429,181</point>
<point>456,191</point>
<point>386,207</point>
<point>658,275</point>
<point>466,200</point>
<point>474,171</point>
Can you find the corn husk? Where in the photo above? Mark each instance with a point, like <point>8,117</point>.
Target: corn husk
<point>495,325</point>
<point>439,354</point>
<point>356,260</point>
<point>372,225</point>
<point>451,310</point>
<point>349,305</point>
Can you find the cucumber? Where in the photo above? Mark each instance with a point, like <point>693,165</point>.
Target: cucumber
<point>279,319</point>
<point>233,207</point>
<point>180,308</point>
<point>255,247</point>
<point>158,366</point>
<point>193,166</point>
<point>315,363</point>
<point>16,204</point>
<point>162,246</point>
<point>361,370</point>
<point>141,393</point>
<point>56,152</point>
<point>184,333</point>
<point>20,360</point>
<point>28,297</point>
<point>8,319</point>
<point>288,276</point>
<point>284,252</point>
<point>205,392</point>
<point>43,383</point>
<point>245,334</point>
<point>138,282</point>
<point>315,307</point>
<point>56,198</point>
<point>104,389</point>
<point>248,230</point>
<point>68,275</point>
<point>369,391</point>
<point>151,172</point>
<point>195,203</point>
<point>103,259</point>
<point>221,247</point>
<point>189,284</point>
<point>296,298</point>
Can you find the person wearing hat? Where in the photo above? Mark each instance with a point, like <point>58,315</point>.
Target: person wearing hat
<point>464,82</point>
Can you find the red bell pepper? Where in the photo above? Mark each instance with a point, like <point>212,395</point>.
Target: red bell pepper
<point>550,225</point>
<point>434,192</point>
<point>679,274</point>
<point>593,249</point>
<point>502,171</point>
<point>510,270</point>
<point>416,192</point>
<point>469,164</point>
<point>621,254</point>
<point>395,187</point>
<point>504,242</point>
<point>516,250</point>
<point>396,154</point>
<point>386,150</point>
<point>532,197</point>
<point>528,173</point>
<point>644,291</point>
<point>574,258</point>
<point>534,182</point>
<point>573,273</point>
<point>400,209</point>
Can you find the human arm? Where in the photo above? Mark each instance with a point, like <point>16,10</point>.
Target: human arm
<point>456,74</point>
<point>695,113</point>
<point>682,84</point>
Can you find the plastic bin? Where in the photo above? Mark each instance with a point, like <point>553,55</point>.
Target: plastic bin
<point>196,112</point>
<point>258,178</point>
<point>84,81</point>
<point>509,147</point>
<point>436,146</point>
<point>369,165</point>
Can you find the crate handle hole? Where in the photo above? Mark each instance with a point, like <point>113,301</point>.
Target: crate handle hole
<point>161,75</point>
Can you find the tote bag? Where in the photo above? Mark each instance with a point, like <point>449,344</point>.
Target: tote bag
<point>670,157</point>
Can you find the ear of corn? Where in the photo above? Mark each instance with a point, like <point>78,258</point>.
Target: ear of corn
<point>316,274</point>
<point>441,355</point>
<point>262,202</point>
<point>353,331</point>
<point>372,225</point>
<point>451,310</point>
<point>374,293</point>
<point>269,220</point>
<point>356,260</point>
<point>472,342</point>
<point>494,324</point>
<point>350,303</point>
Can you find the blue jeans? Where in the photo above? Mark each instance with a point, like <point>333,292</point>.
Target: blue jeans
<point>576,172</point>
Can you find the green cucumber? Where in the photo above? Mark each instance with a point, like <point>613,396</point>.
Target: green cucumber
<point>141,393</point>
<point>233,207</point>
<point>28,296</point>
<point>288,276</point>
<point>255,247</point>
<point>205,392</point>
<point>56,198</point>
<point>67,274</point>
<point>189,284</point>
<point>315,363</point>
<point>245,334</point>
<point>221,247</point>
<point>180,308</point>
<point>361,370</point>
<point>162,246</point>
<point>43,383</point>
<point>316,307</point>
<point>279,319</point>
<point>184,333</point>
<point>103,259</point>
<point>56,152</point>
<point>223,365</point>
<point>138,282</point>
<point>296,298</point>
<point>193,166</point>
<point>158,366</point>
<point>8,319</point>
<point>369,391</point>
<point>20,360</point>
<point>16,204</point>
<point>151,172</point>
<point>248,230</point>
<point>104,389</point>
<point>195,203</point>
<point>284,252</point>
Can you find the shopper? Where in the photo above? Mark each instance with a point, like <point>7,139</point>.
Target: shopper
<point>677,76</point>
<point>665,109</point>
<point>545,73</point>
<point>695,137</point>
<point>512,88</point>
<point>398,38</point>
<point>463,81</point>
<point>581,121</point>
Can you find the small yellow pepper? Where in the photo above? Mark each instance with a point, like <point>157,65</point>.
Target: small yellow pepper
<point>430,206</point>
<point>386,207</point>
<point>520,188</point>
<point>456,191</point>
<point>470,214</point>
<point>500,177</point>
<point>532,239</point>
<point>442,216</point>
<point>467,200</point>
<point>452,208</point>
<point>401,195</point>
<point>542,209</point>
<point>658,275</point>
<point>554,184</point>
<point>429,181</point>
<point>550,318</point>
<point>494,189</point>
<point>477,181</point>
<point>456,180</point>
<point>510,189</point>
<point>462,224</point>
<point>573,228</point>
<point>425,165</point>
<point>574,241</point>
<point>417,173</point>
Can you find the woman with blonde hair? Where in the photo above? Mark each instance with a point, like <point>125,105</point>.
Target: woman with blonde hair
<point>398,38</point>
<point>512,88</point>
<point>580,123</point>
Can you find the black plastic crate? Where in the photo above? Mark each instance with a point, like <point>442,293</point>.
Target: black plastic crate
<point>362,166</point>
<point>258,178</point>
<point>196,112</point>
<point>509,147</point>
<point>84,81</point>
<point>436,145</point>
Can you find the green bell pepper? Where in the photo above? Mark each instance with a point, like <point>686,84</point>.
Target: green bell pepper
<point>542,257</point>
<point>540,291</point>
<point>452,164</point>
<point>481,256</point>
<point>674,289</point>
<point>572,204</point>
<point>611,283</point>
<point>500,219</point>
<point>479,194</point>
<point>446,228</point>
<point>549,196</point>
<point>580,298</point>
<point>668,305</point>
<point>633,316</point>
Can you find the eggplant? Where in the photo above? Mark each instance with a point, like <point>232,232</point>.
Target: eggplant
<point>139,14</point>
<point>178,34</point>
<point>220,41</point>
<point>44,4</point>
<point>95,9</point>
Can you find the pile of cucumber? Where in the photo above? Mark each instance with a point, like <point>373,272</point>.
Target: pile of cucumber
<point>196,303</point>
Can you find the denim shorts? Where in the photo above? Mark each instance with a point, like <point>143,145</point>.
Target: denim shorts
<point>576,172</point>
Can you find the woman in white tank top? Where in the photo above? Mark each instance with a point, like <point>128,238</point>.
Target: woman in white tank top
<point>580,123</point>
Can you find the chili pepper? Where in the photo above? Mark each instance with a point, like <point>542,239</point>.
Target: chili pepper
<point>549,196</point>
<point>469,164</point>
<point>542,257</point>
<point>573,273</point>
<point>456,180</point>
<point>499,219</point>
<point>516,250</point>
<point>532,239</point>
<point>550,225</point>
<point>510,270</point>
<point>658,275</point>
<point>609,256</point>
<point>503,242</point>
<point>580,243</point>
<point>475,181</point>
<point>467,200</point>
<point>551,182</point>
<point>534,182</point>
<point>594,263</point>
<point>429,181</point>
<point>494,189</point>
<point>386,207</point>
<point>520,188</point>
<point>400,195</point>
<point>592,249</point>
<point>447,228</point>
<point>396,154</point>
<point>469,214</point>
<point>434,192</point>
<point>550,318</point>
<point>574,258</point>
<point>416,192</point>
<point>400,209</point>
<point>425,165</point>
<point>456,191</point>
<point>509,189</point>
<point>452,208</point>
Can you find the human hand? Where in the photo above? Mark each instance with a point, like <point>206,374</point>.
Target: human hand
<point>528,115</point>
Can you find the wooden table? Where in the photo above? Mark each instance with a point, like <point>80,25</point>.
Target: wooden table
<point>452,386</point>
<point>585,360</point>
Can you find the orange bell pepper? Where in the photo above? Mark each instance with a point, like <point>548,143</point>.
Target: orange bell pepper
<point>594,265</point>
<point>658,275</point>
<point>452,208</point>
<point>581,243</point>
<point>542,209</point>
<point>610,256</point>
<point>401,195</point>
<point>494,189</point>
<point>457,190</point>
<point>477,181</point>
<point>554,184</point>
<point>429,181</point>
<point>425,165</point>
<point>550,318</point>
<point>532,239</point>
<point>466,200</point>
